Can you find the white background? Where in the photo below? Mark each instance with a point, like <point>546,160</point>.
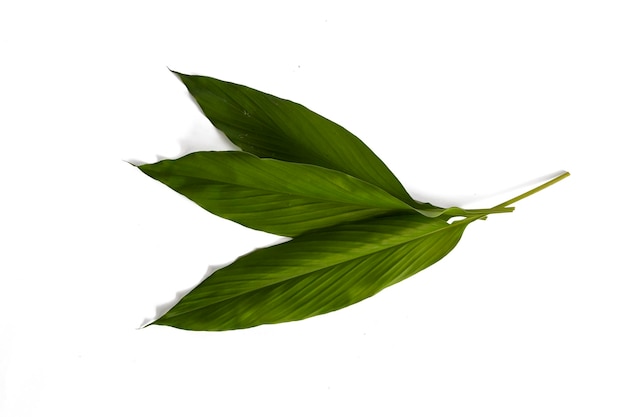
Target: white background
<point>462,99</point>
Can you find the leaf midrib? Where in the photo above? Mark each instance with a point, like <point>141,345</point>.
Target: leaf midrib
<point>303,195</point>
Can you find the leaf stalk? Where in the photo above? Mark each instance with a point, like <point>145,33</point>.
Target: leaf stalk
<point>533,191</point>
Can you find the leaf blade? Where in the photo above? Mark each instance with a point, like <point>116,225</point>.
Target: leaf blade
<point>274,196</point>
<point>268,126</point>
<point>315,273</point>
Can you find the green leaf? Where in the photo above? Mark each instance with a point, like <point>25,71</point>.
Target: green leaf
<point>274,196</point>
<point>268,126</point>
<point>315,273</point>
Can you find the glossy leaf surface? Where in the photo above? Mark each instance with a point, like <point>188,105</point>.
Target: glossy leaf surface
<point>355,229</point>
<point>315,273</point>
<point>274,196</point>
<point>268,126</point>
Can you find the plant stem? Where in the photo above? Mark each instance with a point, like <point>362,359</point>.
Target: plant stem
<point>533,191</point>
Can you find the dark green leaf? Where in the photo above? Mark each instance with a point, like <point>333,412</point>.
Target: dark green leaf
<point>278,197</point>
<point>315,273</point>
<point>268,126</point>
